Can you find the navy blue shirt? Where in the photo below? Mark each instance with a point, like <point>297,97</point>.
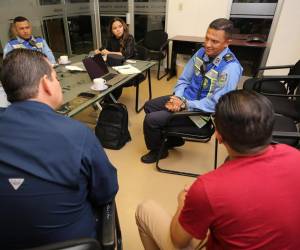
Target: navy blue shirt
<point>53,172</point>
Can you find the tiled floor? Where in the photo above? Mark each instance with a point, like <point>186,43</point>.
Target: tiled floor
<point>139,181</point>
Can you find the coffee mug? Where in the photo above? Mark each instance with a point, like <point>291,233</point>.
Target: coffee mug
<point>63,59</point>
<point>99,84</point>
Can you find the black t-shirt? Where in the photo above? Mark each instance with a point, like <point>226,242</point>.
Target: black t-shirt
<point>113,44</point>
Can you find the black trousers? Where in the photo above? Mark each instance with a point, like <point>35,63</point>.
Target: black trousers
<point>156,119</point>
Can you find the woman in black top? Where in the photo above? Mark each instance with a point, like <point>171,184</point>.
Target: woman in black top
<point>120,42</point>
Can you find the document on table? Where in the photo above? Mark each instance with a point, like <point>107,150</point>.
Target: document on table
<point>126,69</point>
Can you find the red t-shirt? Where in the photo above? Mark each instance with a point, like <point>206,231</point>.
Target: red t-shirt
<point>248,203</point>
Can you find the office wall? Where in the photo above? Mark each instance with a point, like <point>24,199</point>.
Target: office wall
<point>191,17</point>
<point>285,48</point>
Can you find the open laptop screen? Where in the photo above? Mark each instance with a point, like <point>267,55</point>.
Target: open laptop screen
<point>95,66</point>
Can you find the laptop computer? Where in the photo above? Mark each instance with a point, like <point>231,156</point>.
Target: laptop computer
<point>96,67</point>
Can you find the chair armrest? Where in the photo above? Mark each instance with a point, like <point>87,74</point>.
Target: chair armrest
<point>279,78</point>
<point>187,113</point>
<point>276,67</point>
<point>164,46</point>
<point>284,134</point>
<point>140,42</point>
<point>108,225</point>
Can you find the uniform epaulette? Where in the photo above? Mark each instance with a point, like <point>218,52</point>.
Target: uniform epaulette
<point>228,57</point>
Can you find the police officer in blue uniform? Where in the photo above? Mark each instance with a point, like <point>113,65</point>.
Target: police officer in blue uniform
<point>24,39</point>
<point>53,171</point>
<point>210,73</point>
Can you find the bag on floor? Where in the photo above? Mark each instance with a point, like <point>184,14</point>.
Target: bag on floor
<point>112,126</point>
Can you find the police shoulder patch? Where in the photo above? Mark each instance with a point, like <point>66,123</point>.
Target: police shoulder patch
<point>222,78</point>
<point>228,57</point>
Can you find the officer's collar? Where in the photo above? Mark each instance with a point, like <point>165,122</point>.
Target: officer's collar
<point>218,58</point>
<point>21,40</point>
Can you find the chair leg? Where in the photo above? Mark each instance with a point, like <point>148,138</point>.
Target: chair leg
<point>216,154</point>
<point>137,109</point>
<point>167,171</point>
<point>158,71</point>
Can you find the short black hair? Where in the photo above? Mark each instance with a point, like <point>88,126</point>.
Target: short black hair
<point>21,73</point>
<point>222,24</point>
<point>245,120</point>
<point>20,19</point>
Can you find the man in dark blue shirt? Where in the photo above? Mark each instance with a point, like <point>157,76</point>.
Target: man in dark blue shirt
<point>53,171</point>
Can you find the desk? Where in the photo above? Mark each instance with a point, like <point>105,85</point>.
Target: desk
<point>74,83</point>
<point>190,44</point>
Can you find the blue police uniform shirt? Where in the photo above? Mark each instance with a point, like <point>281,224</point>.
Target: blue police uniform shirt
<point>40,45</point>
<point>222,76</point>
<point>53,172</point>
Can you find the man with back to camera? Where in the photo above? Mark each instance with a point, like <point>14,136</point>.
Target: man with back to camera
<point>24,39</point>
<point>209,74</point>
<point>53,170</point>
<point>250,202</point>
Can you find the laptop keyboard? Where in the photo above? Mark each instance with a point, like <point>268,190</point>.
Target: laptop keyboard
<point>109,76</point>
<point>114,79</point>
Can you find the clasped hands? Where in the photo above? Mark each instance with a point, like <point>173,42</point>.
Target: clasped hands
<point>103,52</point>
<point>175,104</point>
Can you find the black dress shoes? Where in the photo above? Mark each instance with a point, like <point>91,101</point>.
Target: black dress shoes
<point>152,156</point>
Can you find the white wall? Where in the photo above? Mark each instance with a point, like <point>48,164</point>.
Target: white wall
<point>191,17</point>
<point>285,48</point>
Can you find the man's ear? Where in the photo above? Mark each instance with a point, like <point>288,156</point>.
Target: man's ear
<point>45,84</point>
<point>218,137</point>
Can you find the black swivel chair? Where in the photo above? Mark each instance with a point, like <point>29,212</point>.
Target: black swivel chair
<point>155,44</point>
<point>275,84</point>
<point>109,236</point>
<point>285,131</point>
<point>188,134</point>
<point>287,105</point>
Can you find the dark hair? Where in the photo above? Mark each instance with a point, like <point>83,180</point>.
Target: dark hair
<point>125,36</point>
<point>21,73</point>
<point>245,120</point>
<point>222,24</point>
<point>20,19</point>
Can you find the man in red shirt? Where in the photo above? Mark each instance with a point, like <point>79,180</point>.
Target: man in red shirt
<point>250,202</point>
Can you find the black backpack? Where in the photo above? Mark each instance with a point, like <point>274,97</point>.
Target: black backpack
<point>112,126</point>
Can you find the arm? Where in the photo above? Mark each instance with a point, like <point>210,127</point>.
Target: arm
<point>186,78</point>
<point>233,73</point>
<point>101,174</point>
<point>179,236</point>
<point>194,216</point>
<point>48,52</point>
<point>129,48</point>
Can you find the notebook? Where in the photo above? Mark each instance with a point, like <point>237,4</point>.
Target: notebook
<point>96,67</point>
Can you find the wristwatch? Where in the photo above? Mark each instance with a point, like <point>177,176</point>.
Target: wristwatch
<point>183,105</point>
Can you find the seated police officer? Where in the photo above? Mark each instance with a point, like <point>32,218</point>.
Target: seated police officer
<point>24,39</point>
<point>53,170</point>
<point>209,74</point>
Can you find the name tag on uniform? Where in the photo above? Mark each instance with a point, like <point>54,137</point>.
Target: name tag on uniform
<point>212,74</point>
<point>197,66</point>
<point>39,45</point>
<point>19,46</point>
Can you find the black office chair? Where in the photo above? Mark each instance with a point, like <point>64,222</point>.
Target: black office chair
<point>274,84</point>
<point>188,134</point>
<point>109,236</point>
<point>285,131</point>
<point>287,105</point>
<point>155,45</point>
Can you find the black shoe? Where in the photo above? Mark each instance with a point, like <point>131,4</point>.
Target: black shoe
<point>152,156</point>
<point>174,142</point>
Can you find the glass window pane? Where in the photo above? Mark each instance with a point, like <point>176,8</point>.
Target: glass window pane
<point>55,35</point>
<point>81,35</point>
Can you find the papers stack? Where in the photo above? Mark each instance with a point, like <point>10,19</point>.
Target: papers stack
<point>127,69</point>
